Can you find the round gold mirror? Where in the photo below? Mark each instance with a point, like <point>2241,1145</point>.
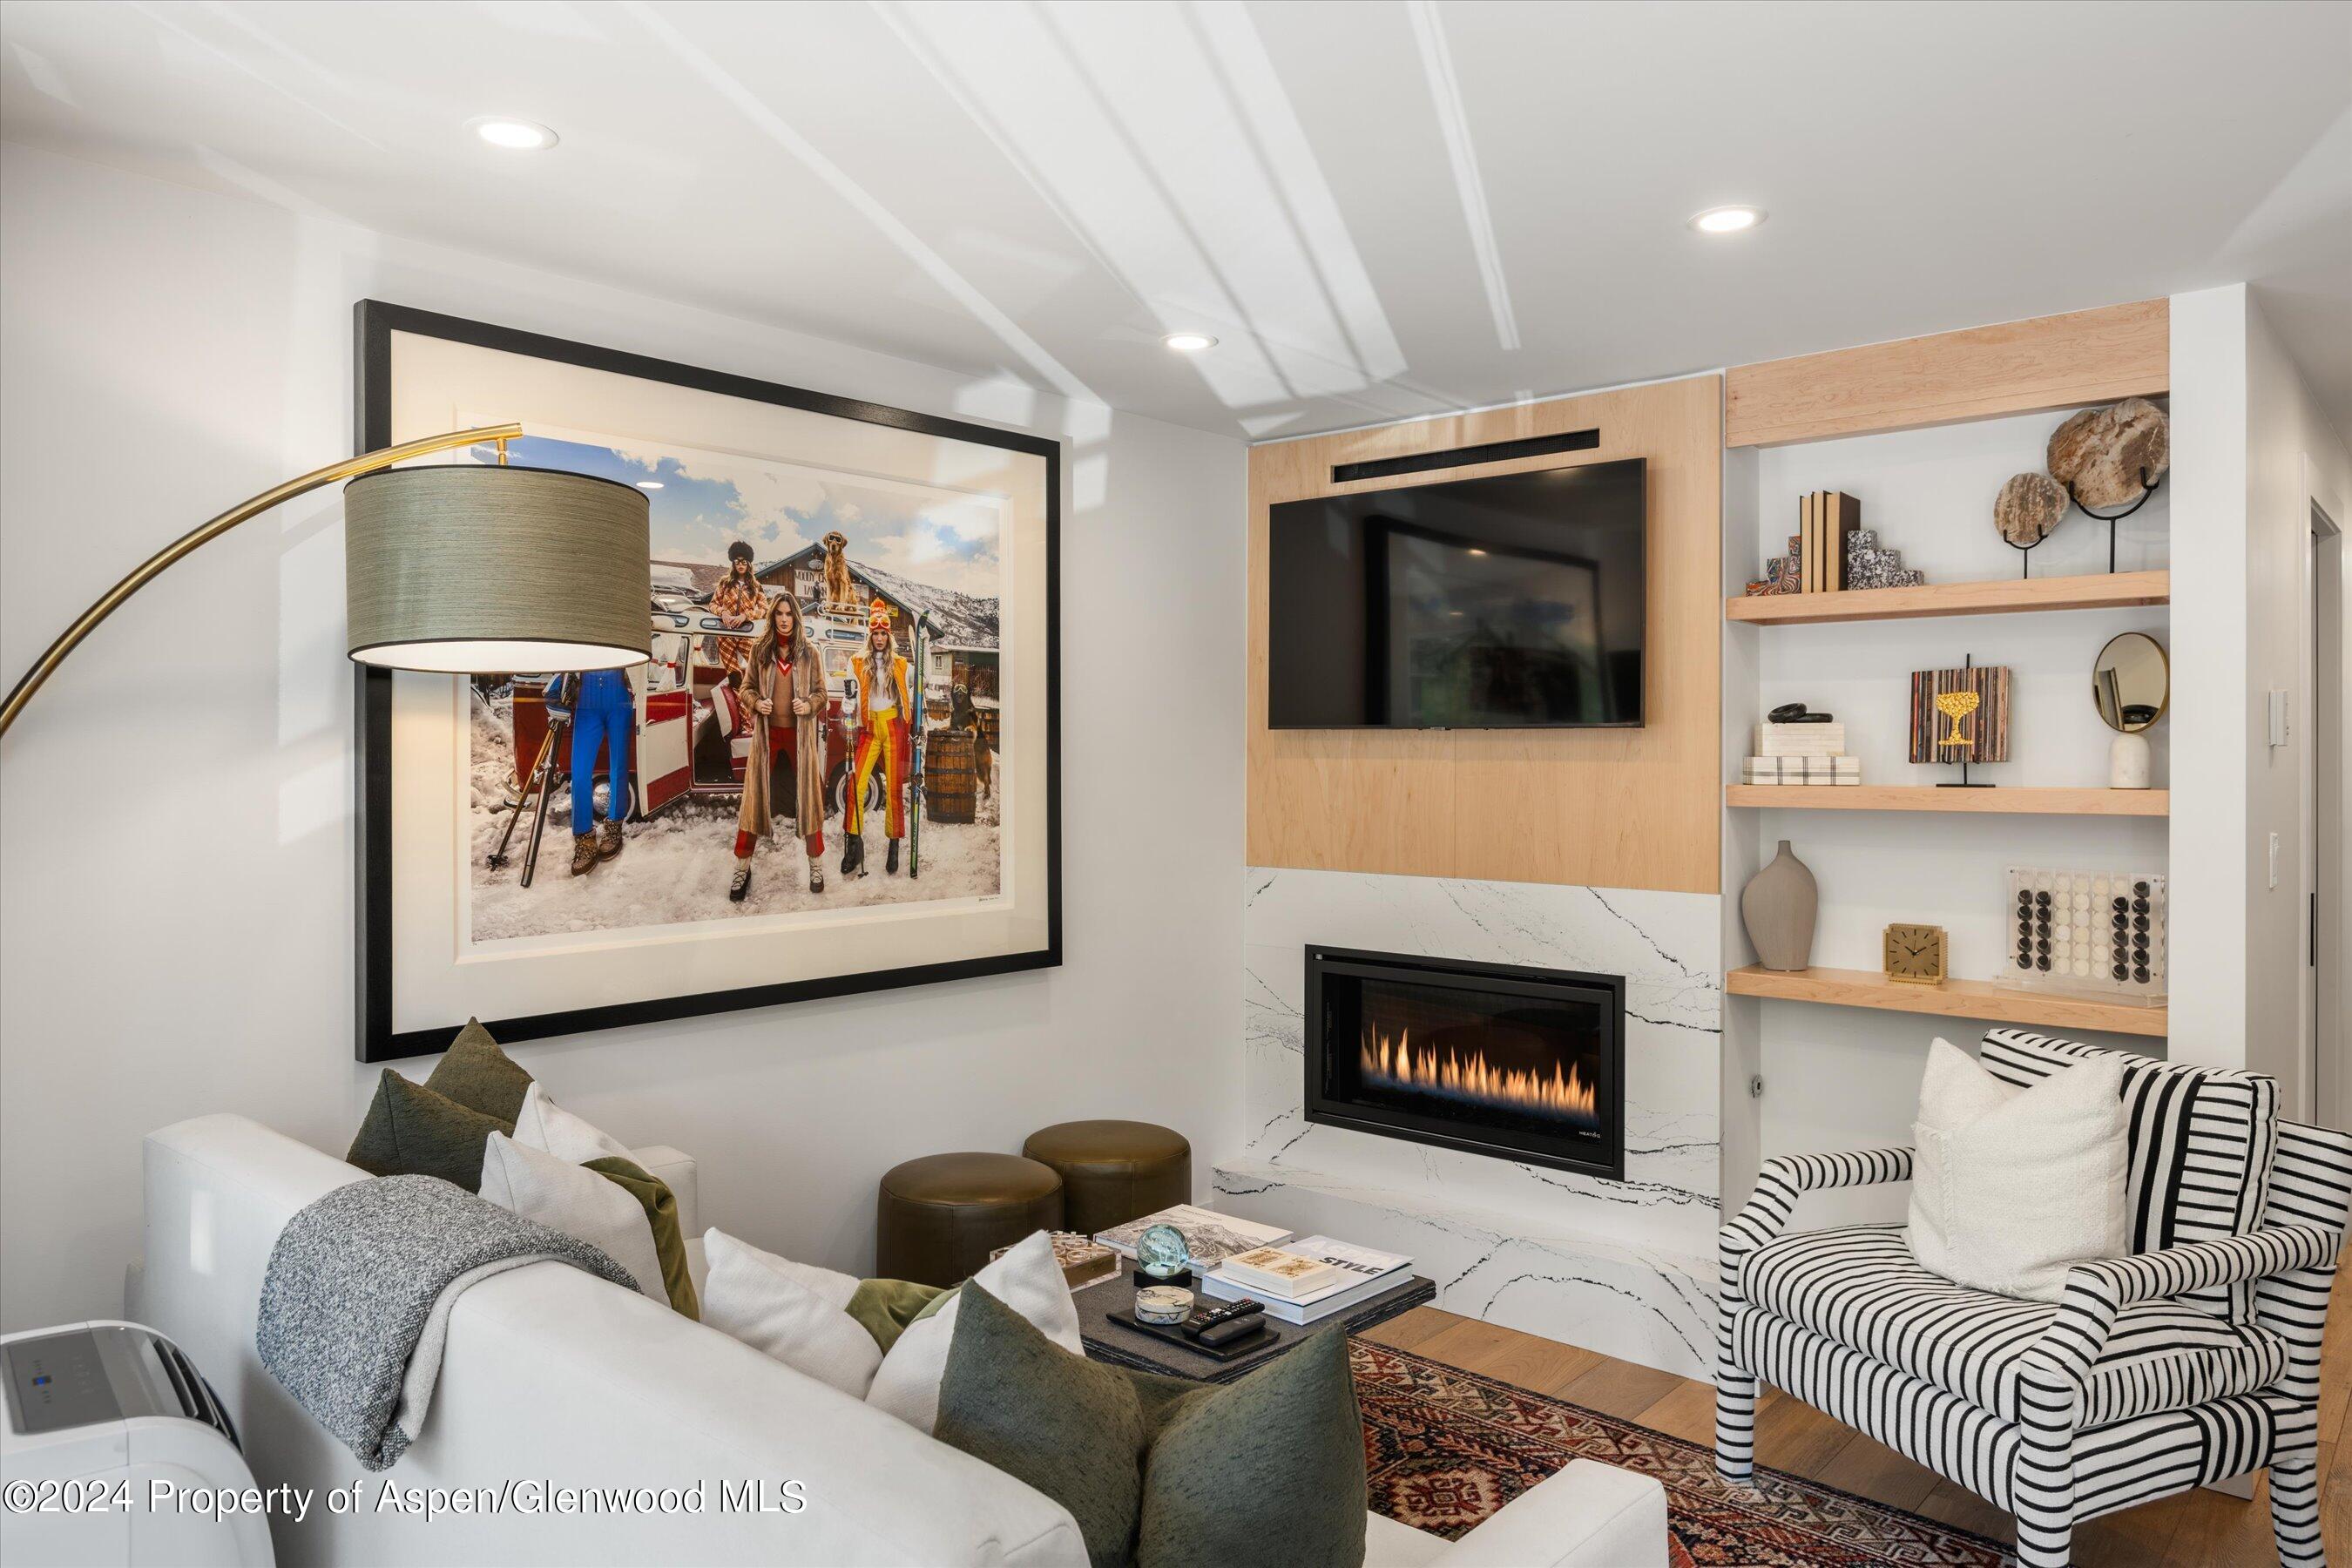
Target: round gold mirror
<point>2131,684</point>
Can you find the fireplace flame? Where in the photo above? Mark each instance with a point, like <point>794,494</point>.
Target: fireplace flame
<point>1396,1065</point>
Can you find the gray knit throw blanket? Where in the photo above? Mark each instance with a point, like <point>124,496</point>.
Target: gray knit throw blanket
<point>355,1308</point>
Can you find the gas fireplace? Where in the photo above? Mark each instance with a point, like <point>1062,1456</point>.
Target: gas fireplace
<point>1524,1064</point>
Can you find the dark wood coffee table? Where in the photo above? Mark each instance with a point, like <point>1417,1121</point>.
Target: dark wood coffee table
<point>1116,1344</point>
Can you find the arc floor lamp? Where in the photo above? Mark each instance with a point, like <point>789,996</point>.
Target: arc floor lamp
<point>457,568</point>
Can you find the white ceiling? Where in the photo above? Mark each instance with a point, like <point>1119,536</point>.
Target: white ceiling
<point>1379,208</point>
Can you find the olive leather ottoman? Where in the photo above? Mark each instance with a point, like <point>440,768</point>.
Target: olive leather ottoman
<point>938,1218</point>
<point>1113,1172</point>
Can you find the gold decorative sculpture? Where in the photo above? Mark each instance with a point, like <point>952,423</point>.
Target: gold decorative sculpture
<point>1956,706</point>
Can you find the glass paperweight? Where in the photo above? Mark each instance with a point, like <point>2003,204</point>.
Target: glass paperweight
<point>1160,1252</point>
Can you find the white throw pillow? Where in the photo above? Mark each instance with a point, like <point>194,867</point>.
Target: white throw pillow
<point>576,1201</point>
<point>792,1312</point>
<point>1027,1279</point>
<point>2011,1187</point>
<point>574,1139</point>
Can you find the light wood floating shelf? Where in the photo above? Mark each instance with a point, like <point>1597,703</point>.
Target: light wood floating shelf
<point>2051,362</point>
<point>2001,801</point>
<point>2098,591</point>
<point>1952,999</point>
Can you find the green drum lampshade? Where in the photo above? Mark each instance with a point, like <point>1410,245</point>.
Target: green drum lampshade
<point>466,568</point>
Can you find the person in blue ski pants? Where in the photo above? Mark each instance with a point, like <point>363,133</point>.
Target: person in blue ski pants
<point>603,713</point>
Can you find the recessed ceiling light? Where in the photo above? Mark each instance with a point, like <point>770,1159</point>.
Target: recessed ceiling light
<point>1727,220</point>
<point>513,135</point>
<point>1188,342</point>
<point>649,484</point>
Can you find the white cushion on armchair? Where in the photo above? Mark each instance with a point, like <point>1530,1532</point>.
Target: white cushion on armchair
<point>2012,1188</point>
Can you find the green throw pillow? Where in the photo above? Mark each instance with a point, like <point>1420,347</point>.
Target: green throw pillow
<point>884,1308</point>
<point>480,1077</point>
<point>411,1130</point>
<point>661,1214</point>
<point>1268,1469</point>
<point>1159,1472</point>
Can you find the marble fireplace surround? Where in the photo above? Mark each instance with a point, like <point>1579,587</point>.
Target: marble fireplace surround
<point>1623,1267</point>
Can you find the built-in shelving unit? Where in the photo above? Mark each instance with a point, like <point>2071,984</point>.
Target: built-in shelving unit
<point>2102,591</point>
<point>1992,373</point>
<point>2005,800</point>
<point>1953,999</point>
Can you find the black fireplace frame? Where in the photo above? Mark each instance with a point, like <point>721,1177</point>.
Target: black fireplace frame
<point>1518,979</point>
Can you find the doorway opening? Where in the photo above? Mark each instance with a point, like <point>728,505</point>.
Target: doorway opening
<point>2325,866</point>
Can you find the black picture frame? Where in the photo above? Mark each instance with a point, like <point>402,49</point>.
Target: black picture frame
<point>374,323</point>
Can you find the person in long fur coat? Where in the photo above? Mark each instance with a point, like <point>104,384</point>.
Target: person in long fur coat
<point>783,682</point>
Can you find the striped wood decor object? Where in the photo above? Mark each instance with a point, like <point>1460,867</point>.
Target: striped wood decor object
<point>1987,728</point>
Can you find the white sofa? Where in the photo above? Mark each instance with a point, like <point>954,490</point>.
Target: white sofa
<point>552,1376</point>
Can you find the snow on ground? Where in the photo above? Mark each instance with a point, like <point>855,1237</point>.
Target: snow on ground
<point>676,867</point>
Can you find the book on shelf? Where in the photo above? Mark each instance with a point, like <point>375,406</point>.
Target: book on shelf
<point>1809,550</point>
<point>1799,740</point>
<point>1841,520</point>
<point>1825,521</point>
<point>1210,1237</point>
<point>1277,1271</point>
<point>1364,1273</point>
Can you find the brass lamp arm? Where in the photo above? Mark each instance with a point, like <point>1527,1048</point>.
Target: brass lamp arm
<point>156,565</point>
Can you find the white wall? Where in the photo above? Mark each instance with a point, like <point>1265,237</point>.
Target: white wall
<point>2290,447</point>
<point>2208,672</point>
<point>2248,442</point>
<point>175,827</point>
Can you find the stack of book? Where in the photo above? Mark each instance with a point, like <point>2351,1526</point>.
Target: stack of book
<point>1825,518</point>
<point>1307,1279</point>
<point>1800,754</point>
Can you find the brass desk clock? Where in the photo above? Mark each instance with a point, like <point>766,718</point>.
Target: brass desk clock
<point>1914,955</point>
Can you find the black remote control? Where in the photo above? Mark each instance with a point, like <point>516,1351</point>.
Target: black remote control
<point>1208,1320</point>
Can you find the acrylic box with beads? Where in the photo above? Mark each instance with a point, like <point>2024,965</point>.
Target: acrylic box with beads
<point>2093,933</point>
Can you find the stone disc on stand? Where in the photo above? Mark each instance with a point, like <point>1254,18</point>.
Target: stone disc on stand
<point>2113,455</point>
<point>2028,508</point>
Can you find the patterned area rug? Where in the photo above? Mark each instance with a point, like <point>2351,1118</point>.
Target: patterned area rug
<point>1445,1449</point>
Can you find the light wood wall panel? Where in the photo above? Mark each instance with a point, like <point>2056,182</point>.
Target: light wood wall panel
<point>2050,362</point>
<point>1604,808</point>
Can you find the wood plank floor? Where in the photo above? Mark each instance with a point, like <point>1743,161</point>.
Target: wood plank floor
<point>2202,1529</point>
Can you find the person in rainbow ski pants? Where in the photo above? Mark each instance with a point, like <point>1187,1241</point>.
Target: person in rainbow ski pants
<point>886,709</point>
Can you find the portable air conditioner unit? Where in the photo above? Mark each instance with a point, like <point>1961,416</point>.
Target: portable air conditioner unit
<point>107,1420</point>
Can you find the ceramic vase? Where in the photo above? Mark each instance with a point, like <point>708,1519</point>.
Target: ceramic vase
<point>1778,906</point>
<point>2127,762</point>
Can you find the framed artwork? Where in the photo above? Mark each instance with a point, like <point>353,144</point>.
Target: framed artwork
<point>838,772</point>
<point>1960,715</point>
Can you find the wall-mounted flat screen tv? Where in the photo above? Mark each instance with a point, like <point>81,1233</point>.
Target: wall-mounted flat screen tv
<point>1516,602</point>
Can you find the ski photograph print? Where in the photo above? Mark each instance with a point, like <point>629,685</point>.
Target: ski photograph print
<point>771,704</point>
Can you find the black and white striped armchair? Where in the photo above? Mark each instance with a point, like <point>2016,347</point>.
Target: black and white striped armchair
<point>2194,1359</point>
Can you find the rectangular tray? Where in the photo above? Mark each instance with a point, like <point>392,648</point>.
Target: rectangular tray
<point>1231,1349</point>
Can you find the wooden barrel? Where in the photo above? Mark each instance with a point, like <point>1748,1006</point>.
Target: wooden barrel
<point>948,794</point>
